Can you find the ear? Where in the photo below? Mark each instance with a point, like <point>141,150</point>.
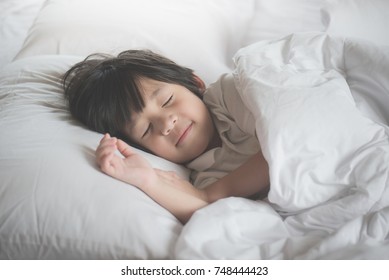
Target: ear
<point>200,83</point>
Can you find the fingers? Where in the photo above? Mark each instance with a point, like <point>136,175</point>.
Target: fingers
<point>106,136</point>
<point>105,151</point>
<point>106,143</point>
<point>106,156</point>
<point>111,162</point>
<point>124,148</point>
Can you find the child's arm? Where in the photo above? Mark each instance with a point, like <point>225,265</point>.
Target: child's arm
<point>250,178</point>
<point>166,188</point>
<point>177,195</point>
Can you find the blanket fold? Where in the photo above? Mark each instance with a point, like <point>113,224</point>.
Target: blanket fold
<point>322,124</point>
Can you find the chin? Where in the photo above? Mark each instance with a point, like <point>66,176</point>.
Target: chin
<point>193,155</point>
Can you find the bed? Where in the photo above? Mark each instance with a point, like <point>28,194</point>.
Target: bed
<point>329,197</point>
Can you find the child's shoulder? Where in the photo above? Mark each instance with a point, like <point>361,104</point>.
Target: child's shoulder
<point>223,92</point>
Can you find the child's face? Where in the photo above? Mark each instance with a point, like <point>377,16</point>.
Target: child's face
<point>175,124</point>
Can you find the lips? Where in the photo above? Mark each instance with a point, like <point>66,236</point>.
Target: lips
<point>184,134</point>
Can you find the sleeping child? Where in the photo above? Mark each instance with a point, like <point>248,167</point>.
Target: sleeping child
<point>139,98</point>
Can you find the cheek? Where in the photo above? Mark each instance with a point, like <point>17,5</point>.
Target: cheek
<point>205,118</point>
<point>197,109</point>
<point>159,148</point>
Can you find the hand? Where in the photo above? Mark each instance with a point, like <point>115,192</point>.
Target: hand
<point>165,187</point>
<point>131,167</point>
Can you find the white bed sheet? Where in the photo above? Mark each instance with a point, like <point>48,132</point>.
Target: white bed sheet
<point>328,162</point>
<point>16,17</point>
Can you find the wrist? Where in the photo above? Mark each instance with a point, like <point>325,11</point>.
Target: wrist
<point>148,181</point>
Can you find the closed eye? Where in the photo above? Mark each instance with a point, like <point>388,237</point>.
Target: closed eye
<point>168,101</point>
<point>147,131</point>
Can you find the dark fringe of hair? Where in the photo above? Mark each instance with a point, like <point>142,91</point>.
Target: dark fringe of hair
<point>102,91</point>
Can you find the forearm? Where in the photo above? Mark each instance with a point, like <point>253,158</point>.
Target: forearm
<point>177,196</point>
<point>250,178</point>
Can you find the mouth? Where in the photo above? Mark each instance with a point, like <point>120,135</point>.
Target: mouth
<point>184,134</point>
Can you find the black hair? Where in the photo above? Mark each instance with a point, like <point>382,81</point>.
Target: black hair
<point>103,90</point>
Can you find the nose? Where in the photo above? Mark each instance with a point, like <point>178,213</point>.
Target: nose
<point>167,124</point>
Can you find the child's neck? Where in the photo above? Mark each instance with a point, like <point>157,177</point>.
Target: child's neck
<point>215,142</point>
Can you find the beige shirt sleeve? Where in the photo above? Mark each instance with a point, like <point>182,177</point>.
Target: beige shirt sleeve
<point>236,127</point>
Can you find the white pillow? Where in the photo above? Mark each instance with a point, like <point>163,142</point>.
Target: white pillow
<point>359,18</point>
<point>202,35</point>
<point>55,203</point>
<point>278,18</point>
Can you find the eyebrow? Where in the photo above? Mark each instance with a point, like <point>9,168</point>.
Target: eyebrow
<point>156,92</point>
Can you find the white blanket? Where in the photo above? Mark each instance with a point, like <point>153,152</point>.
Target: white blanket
<point>328,154</point>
